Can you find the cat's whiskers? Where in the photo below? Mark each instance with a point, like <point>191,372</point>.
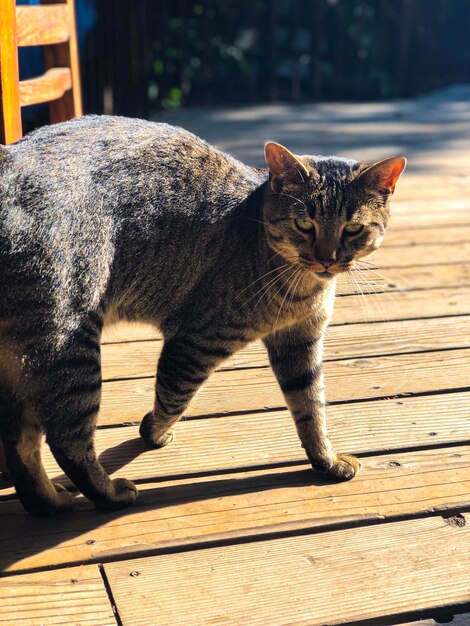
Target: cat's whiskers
<point>389,281</point>
<point>369,282</point>
<point>300,174</point>
<point>263,276</point>
<point>252,219</point>
<point>293,279</point>
<point>360,293</point>
<point>287,278</point>
<point>391,294</point>
<point>299,280</point>
<point>269,286</point>
<point>366,263</point>
<point>374,295</point>
<point>272,257</point>
<point>391,297</point>
<point>288,195</point>
<point>271,281</point>
<point>292,261</point>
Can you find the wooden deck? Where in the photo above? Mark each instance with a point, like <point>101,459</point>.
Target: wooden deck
<point>232,526</point>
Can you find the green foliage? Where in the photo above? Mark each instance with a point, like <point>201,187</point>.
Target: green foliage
<point>217,51</point>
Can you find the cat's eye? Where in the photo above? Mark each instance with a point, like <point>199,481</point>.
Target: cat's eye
<point>352,229</point>
<point>304,225</point>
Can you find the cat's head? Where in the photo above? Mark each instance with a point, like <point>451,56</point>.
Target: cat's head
<point>325,212</point>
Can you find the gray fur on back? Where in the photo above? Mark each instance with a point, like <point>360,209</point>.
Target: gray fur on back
<point>115,209</point>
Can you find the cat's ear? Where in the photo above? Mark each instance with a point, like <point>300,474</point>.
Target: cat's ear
<point>384,174</point>
<point>283,166</point>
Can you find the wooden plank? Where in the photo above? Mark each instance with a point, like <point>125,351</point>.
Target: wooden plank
<point>10,113</point>
<point>433,189</point>
<point>40,26</point>
<point>408,278</point>
<point>248,390</point>
<point>322,578</point>
<point>137,359</point>
<point>400,336</point>
<point>444,236</point>
<point>430,187</point>
<point>270,438</point>
<point>410,208</point>
<point>198,509</point>
<point>267,439</point>
<point>50,86</point>
<point>427,216</point>
<point>432,253</point>
<point>404,305</point>
<point>75,596</point>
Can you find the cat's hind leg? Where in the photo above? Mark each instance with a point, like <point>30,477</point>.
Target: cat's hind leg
<point>68,403</point>
<point>22,435</point>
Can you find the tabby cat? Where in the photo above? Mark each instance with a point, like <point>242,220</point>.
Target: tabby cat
<point>107,218</point>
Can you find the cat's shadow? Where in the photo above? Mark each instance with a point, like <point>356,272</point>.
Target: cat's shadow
<point>116,457</point>
<point>32,535</point>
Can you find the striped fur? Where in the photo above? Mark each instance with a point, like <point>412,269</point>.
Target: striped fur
<point>106,218</point>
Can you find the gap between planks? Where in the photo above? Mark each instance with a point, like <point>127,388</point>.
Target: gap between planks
<point>236,391</point>
<point>243,442</point>
<point>328,578</point>
<point>188,512</point>
<point>138,359</point>
<point>60,597</point>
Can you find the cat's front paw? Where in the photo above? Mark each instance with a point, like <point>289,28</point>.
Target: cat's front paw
<point>119,494</point>
<point>125,493</point>
<point>152,436</point>
<point>340,467</point>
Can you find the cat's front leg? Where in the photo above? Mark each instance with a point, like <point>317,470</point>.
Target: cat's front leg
<point>185,363</point>
<point>295,354</point>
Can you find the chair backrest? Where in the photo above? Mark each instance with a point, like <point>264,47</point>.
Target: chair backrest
<point>52,25</point>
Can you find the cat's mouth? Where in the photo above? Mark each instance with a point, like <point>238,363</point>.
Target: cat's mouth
<point>318,270</point>
<point>325,275</point>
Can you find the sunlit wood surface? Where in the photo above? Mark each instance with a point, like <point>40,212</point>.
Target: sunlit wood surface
<point>232,526</point>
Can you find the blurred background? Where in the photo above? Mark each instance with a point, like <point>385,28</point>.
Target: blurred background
<point>146,57</point>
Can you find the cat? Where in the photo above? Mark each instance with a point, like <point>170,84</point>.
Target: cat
<point>105,218</point>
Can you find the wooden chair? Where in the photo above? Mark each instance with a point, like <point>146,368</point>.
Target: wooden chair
<point>51,25</point>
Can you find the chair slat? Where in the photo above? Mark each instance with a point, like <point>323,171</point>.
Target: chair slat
<point>10,116</point>
<point>42,25</point>
<point>65,55</point>
<point>50,86</point>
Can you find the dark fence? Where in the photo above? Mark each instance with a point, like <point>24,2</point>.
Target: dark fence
<point>145,55</point>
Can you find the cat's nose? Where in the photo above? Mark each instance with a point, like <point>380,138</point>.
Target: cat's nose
<point>325,253</point>
<point>326,262</point>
